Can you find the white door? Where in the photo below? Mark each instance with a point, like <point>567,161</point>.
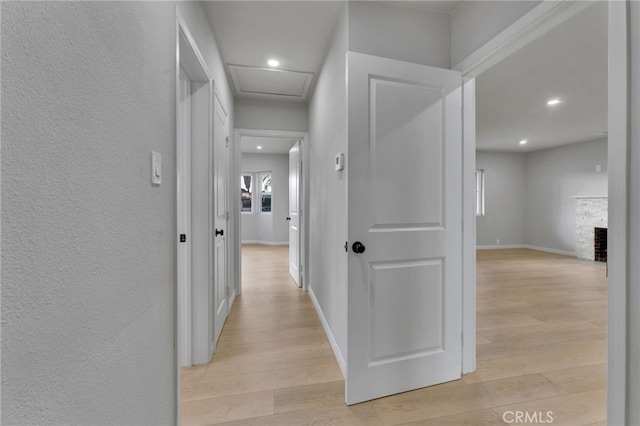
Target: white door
<point>184,219</point>
<point>405,209</point>
<point>221,148</point>
<point>294,212</point>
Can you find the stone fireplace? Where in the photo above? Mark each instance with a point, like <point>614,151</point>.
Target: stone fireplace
<point>591,213</point>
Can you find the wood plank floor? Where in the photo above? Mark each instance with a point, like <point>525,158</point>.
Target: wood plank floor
<point>541,347</point>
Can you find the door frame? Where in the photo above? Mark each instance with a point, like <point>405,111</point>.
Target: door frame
<point>188,56</point>
<point>234,199</point>
<point>536,22</point>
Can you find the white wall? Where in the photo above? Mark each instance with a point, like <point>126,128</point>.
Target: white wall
<point>529,197</point>
<point>263,114</point>
<point>553,178</point>
<point>268,227</point>
<point>327,192</point>
<point>89,245</point>
<point>400,32</point>
<point>474,23</point>
<point>504,217</point>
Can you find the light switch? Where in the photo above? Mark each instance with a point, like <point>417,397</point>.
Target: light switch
<point>598,168</point>
<point>156,168</point>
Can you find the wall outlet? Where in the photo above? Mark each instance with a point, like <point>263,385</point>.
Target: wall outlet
<point>498,241</point>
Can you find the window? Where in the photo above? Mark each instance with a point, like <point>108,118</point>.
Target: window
<point>246,193</point>
<point>480,192</point>
<point>265,192</point>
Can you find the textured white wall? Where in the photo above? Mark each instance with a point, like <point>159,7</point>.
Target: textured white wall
<point>474,23</point>
<point>400,32</point>
<point>89,245</point>
<point>271,228</point>
<point>88,248</point>
<point>504,199</point>
<point>327,189</point>
<point>263,114</point>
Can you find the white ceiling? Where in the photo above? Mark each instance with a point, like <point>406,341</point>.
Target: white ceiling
<point>296,33</point>
<point>569,63</point>
<point>249,144</point>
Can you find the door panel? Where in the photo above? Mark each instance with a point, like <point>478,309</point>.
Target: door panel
<point>406,119</point>
<point>405,319</point>
<point>404,205</point>
<point>294,213</point>
<point>220,233</point>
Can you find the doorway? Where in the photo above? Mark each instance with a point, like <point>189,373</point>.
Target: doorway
<point>267,194</point>
<point>193,91</point>
<point>203,292</point>
<point>530,189</point>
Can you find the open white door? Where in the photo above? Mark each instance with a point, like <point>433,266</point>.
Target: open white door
<point>294,213</point>
<point>405,218</point>
<point>221,148</point>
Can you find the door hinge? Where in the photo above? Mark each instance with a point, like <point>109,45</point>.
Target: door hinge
<point>183,238</point>
<point>227,141</point>
<point>346,246</point>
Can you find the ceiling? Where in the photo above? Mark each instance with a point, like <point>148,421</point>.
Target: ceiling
<point>250,144</point>
<point>568,63</point>
<point>296,33</point>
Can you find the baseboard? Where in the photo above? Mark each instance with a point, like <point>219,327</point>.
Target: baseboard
<point>332,341</point>
<point>527,246</point>
<point>550,250</point>
<point>501,246</point>
<point>266,243</point>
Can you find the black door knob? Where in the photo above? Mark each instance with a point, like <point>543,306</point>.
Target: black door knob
<point>288,218</point>
<point>219,232</point>
<point>358,247</point>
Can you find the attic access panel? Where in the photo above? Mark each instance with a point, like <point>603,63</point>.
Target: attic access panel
<point>267,81</point>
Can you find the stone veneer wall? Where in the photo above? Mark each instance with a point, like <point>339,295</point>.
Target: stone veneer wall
<point>591,212</point>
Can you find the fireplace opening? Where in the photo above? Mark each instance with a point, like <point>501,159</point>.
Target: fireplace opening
<point>600,244</point>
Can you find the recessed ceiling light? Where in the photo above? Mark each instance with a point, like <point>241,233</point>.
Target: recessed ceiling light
<point>553,102</point>
<point>273,63</point>
<point>258,147</point>
<point>523,142</point>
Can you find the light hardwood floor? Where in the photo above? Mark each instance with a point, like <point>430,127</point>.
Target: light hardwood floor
<point>541,347</point>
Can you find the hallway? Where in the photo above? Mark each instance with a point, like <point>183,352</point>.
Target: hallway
<point>541,348</point>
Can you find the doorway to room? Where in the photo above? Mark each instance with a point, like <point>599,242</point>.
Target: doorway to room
<point>272,195</point>
<point>541,139</point>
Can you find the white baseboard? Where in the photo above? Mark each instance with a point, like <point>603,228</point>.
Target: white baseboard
<point>526,246</point>
<point>266,243</point>
<point>501,246</point>
<point>550,250</point>
<point>332,340</point>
